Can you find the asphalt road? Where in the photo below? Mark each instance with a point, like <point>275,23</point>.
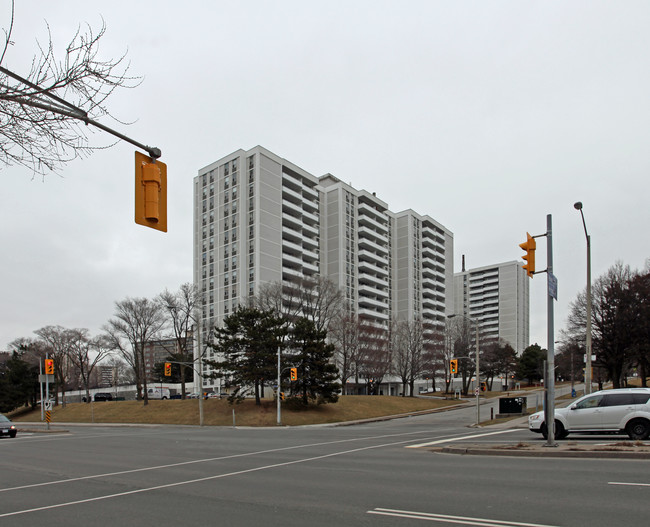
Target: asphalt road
<point>311,476</point>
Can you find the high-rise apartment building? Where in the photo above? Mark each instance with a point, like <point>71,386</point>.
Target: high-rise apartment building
<point>497,297</point>
<point>260,218</point>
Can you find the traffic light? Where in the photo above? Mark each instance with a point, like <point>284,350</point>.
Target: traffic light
<point>168,369</point>
<point>529,246</point>
<point>294,374</point>
<point>150,192</point>
<point>453,365</point>
<point>49,367</point>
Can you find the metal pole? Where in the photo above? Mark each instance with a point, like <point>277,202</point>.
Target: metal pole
<point>478,381</point>
<point>588,372</point>
<point>40,376</point>
<point>588,380</point>
<point>200,369</point>
<point>279,389</point>
<point>550,407</point>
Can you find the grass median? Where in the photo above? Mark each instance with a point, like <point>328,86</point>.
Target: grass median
<point>220,412</point>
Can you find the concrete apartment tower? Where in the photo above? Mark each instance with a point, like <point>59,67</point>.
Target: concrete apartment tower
<point>259,218</point>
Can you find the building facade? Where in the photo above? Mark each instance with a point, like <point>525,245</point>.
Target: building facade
<point>260,219</point>
<point>497,297</point>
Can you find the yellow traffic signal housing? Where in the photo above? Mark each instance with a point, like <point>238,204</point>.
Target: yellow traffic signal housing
<point>49,367</point>
<point>150,192</point>
<point>168,369</point>
<point>529,246</point>
<point>294,374</point>
<point>453,365</point>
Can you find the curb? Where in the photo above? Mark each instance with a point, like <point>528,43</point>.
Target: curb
<point>541,451</point>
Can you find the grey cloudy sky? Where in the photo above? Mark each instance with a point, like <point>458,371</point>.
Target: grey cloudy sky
<point>485,115</point>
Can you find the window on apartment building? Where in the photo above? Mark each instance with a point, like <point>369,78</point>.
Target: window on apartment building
<point>233,248</point>
<point>226,182</point>
<point>226,265</point>
<point>211,284</point>
<point>226,169</point>
<point>250,190</point>
<point>226,237</point>
<point>211,190</point>
<point>234,203</point>
<point>226,280</point>
<point>251,246</point>
<point>251,275</point>
<point>251,289</point>
<point>226,197</point>
<point>234,179</point>
<point>226,211</point>
<point>212,174</point>
<point>234,262</point>
<point>234,165</point>
<point>234,192</point>
<point>251,204</point>
<point>251,218</point>
<point>251,232</point>
<point>234,234</point>
<point>234,276</point>
<point>204,180</point>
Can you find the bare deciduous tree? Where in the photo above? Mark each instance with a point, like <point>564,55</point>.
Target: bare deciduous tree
<point>137,322</point>
<point>315,298</point>
<point>344,334</point>
<point>85,353</point>
<point>40,129</point>
<point>181,308</point>
<point>57,341</point>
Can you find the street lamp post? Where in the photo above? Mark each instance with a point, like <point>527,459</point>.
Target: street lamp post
<point>578,206</point>
<point>477,388</point>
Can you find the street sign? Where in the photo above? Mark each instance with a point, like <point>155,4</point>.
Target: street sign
<point>476,391</point>
<point>552,286</point>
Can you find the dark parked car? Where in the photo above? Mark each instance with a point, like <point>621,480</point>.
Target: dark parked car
<point>7,428</point>
<point>103,396</point>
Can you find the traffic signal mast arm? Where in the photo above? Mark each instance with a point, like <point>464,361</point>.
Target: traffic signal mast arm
<point>63,107</point>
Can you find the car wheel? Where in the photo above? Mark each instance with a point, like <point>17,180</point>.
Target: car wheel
<point>638,429</point>
<point>560,432</point>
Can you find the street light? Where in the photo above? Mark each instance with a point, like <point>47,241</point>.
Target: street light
<point>477,388</point>
<point>578,206</point>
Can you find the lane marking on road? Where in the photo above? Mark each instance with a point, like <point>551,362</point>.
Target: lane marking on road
<point>218,458</point>
<point>450,440</point>
<point>628,484</point>
<point>204,479</point>
<point>445,518</point>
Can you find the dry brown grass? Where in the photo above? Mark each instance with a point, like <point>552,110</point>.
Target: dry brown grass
<point>220,413</point>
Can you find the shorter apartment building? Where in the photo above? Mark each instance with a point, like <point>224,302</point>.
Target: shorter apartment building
<point>497,297</point>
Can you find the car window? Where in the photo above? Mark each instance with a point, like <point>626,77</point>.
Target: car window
<point>589,402</point>
<point>640,398</point>
<point>617,399</point>
<point>3,418</point>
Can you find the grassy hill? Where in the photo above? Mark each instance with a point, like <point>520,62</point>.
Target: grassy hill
<point>220,413</point>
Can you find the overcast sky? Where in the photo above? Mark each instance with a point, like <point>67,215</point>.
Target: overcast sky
<point>485,115</point>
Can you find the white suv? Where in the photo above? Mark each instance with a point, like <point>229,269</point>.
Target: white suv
<point>623,411</point>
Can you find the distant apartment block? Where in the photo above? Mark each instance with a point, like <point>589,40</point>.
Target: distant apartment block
<point>259,218</point>
<point>497,297</point>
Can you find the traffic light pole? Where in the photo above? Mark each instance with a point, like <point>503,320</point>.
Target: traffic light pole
<point>549,416</point>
